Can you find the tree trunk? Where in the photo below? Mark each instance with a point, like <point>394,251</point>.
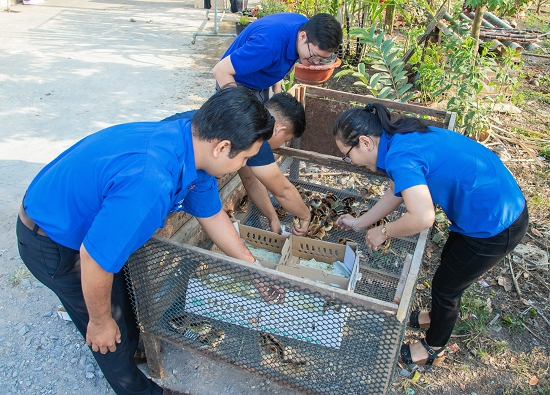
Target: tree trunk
<point>390,18</point>
<point>476,26</point>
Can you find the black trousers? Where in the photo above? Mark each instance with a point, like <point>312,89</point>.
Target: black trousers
<point>58,268</point>
<point>463,260</point>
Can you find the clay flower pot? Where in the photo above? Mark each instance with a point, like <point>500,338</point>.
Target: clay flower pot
<point>315,74</point>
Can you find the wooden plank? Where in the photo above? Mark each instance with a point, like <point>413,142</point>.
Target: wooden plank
<point>173,223</point>
<point>403,279</point>
<point>379,274</point>
<point>429,28</point>
<point>410,284</point>
<point>452,121</point>
<point>154,358</point>
<point>326,290</point>
<point>191,232</point>
<point>325,160</point>
<point>352,97</point>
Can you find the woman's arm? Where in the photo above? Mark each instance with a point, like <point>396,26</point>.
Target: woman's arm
<point>420,215</point>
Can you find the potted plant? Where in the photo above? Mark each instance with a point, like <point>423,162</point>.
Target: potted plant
<point>316,74</point>
<point>242,23</point>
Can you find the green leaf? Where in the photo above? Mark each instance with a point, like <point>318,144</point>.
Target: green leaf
<point>384,92</point>
<point>387,46</point>
<point>407,96</point>
<point>374,79</point>
<point>399,75</point>
<point>361,68</point>
<point>379,67</point>
<point>342,73</point>
<point>374,56</point>
<point>403,89</point>
<point>379,40</point>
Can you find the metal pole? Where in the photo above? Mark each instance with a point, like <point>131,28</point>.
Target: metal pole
<point>215,33</point>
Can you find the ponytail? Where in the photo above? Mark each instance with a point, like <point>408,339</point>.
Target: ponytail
<point>372,120</point>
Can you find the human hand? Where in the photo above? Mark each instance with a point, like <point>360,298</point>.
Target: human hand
<point>374,238</point>
<point>275,226</point>
<point>103,336</point>
<point>345,221</point>
<point>270,293</point>
<point>300,226</point>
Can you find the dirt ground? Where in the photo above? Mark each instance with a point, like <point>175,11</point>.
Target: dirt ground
<point>500,345</point>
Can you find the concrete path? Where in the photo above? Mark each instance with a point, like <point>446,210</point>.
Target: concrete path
<point>69,68</point>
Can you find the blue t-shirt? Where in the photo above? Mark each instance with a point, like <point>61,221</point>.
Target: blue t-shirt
<point>263,157</point>
<point>265,51</point>
<point>113,189</point>
<point>478,193</point>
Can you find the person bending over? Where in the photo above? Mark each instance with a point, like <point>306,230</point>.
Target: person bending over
<point>427,166</point>
<point>100,200</point>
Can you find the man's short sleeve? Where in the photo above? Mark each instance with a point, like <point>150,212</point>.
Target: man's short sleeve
<point>256,54</point>
<point>203,199</point>
<point>263,157</point>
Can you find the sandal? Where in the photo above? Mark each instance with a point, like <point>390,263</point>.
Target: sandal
<point>433,356</point>
<point>413,321</point>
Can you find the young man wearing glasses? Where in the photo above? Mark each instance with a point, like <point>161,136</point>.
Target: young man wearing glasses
<point>263,54</point>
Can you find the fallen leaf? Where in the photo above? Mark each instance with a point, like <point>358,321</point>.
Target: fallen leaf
<point>536,232</point>
<point>420,287</point>
<point>533,380</point>
<point>525,302</point>
<point>505,282</point>
<point>462,387</point>
<point>525,275</point>
<point>428,254</point>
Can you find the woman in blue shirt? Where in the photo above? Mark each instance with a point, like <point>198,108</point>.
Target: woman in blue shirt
<point>427,166</point>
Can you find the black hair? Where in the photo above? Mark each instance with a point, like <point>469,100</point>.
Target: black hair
<point>372,120</point>
<point>324,31</point>
<point>233,114</point>
<point>290,109</point>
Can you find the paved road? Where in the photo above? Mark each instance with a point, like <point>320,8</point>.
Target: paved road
<point>67,69</point>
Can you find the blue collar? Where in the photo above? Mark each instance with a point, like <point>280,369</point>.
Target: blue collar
<point>383,147</point>
<point>291,51</point>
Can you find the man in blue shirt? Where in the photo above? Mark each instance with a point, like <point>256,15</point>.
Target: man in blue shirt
<point>262,174</point>
<point>101,199</point>
<point>263,54</point>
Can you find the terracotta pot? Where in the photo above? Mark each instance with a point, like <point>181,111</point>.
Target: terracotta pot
<point>315,74</point>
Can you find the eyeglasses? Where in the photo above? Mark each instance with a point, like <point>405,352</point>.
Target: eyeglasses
<point>313,58</point>
<point>346,157</point>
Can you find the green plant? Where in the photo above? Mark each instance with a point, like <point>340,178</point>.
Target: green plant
<point>440,228</point>
<point>476,315</point>
<point>268,7</point>
<point>287,84</point>
<point>312,7</point>
<point>390,82</point>
<point>451,71</point>
<point>20,273</point>
<point>244,21</point>
<point>514,325</point>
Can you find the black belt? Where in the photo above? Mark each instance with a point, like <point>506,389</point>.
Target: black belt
<point>29,223</point>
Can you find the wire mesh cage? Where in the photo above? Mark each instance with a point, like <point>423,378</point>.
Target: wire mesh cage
<point>319,341</point>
